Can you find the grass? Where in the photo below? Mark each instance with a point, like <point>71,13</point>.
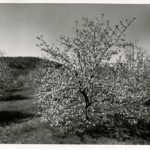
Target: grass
<point>27,132</point>
<point>33,132</point>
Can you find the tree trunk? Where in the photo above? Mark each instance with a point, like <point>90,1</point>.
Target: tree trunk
<point>87,103</point>
<point>86,113</point>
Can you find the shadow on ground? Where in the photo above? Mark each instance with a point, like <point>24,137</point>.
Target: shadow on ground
<point>7,117</point>
<point>14,90</point>
<point>13,98</point>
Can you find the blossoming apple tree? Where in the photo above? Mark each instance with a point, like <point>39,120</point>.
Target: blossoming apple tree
<point>72,92</point>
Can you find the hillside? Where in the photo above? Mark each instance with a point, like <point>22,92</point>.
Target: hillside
<point>21,62</point>
<point>23,65</point>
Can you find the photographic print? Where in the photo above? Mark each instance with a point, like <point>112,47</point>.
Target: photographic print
<point>74,73</point>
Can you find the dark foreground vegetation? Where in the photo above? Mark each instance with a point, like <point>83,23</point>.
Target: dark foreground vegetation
<point>20,123</point>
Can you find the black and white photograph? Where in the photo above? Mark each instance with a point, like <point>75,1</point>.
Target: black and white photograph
<point>74,73</point>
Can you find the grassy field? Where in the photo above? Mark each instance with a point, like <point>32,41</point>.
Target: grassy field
<point>20,124</point>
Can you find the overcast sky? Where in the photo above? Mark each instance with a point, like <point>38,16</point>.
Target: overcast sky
<point>20,24</point>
